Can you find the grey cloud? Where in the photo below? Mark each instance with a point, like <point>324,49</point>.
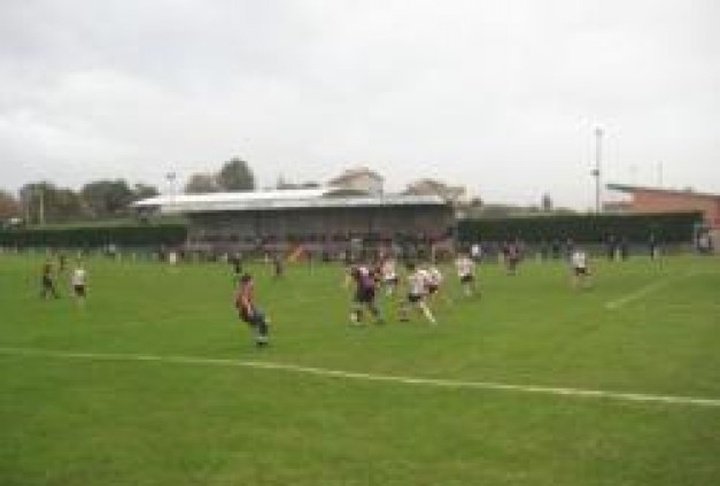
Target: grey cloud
<point>501,96</point>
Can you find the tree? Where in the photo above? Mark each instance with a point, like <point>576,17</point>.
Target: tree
<point>107,198</point>
<point>236,175</point>
<point>546,203</point>
<point>144,191</point>
<point>47,203</point>
<point>476,202</point>
<point>9,206</point>
<point>201,183</point>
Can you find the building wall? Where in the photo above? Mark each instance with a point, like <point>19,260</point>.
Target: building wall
<point>656,202</point>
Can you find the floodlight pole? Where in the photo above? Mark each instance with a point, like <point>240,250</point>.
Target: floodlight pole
<point>171,176</point>
<point>41,210</point>
<point>596,172</point>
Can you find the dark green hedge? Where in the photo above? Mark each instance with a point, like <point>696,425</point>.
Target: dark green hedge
<point>137,235</point>
<point>667,227</point>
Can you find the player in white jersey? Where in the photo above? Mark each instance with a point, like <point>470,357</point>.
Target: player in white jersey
<point>78,280</point>
<point>434,280</point>
<point>417,291</point>
<point>581,273</point>
<point>466,273</point>
<point>476,252</point>
<point>389,275</point>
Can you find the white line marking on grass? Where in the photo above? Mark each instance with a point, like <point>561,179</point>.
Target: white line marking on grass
<point>643,291</point>
<point>481,385</point>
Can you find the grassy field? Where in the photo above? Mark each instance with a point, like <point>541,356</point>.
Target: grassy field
<point>156,382</point>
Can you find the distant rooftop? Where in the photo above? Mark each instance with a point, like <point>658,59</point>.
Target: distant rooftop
<point>685,192</point>
<point>353,173</point>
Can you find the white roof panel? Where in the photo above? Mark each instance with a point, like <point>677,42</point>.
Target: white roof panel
<point>274,200</point>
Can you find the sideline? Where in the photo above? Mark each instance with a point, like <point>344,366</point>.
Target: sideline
<point>457,384</point>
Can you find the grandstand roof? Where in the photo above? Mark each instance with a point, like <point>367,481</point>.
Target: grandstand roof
<point>274,200</point>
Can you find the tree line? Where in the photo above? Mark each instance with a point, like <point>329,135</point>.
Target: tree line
<point>45,202</point>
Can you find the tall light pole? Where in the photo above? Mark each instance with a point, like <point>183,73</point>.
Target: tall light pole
<point>596,171</point>
<point>41,210</point>
<point>171,177</point>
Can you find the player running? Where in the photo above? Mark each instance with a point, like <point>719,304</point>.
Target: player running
<point>581,273</point>
<point>389,276</point>
<point>466,273</point>
<point>249,312</point>
<point>417,291</point>
<point>78,281</point>
<point>433,283</point>
<point>364,280</point>
<point>48,282</point>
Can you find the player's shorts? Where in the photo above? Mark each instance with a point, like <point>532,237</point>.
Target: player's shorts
<point>414,298</point>
<point>245,316</point>
<point>391,281</point>
<point>467,278</point>
<point>580,271</point>
<point>432,289</point>
<point>79,290</point>
<point>365,295</point>
<point>47,282</point>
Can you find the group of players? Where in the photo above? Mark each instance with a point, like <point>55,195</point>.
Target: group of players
<point>424,285</point>
<point>78,280</point>
<point>422,282</point>
<point>423,288</point>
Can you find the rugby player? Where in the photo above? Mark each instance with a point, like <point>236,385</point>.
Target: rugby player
<point>248,310</point>
<point>78,281</point>
<point>580,271</point>
<point>466,273</point>
<point>364,279</point>
<point>417,291</point>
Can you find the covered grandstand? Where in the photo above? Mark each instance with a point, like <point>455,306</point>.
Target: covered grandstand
<point>324,219</point>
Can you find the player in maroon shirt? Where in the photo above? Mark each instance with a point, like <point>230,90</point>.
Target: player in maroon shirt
<point>248,310</point>
<point>365,282</point>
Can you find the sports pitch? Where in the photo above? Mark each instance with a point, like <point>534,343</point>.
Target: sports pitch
<point>156,381</point>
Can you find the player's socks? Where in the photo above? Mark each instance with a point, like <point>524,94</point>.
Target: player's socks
<point>427,313</point>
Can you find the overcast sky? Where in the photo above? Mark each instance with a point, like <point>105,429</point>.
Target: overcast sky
<point>501,96</point>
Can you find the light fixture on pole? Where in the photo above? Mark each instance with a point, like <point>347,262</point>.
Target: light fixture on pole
<point>596,171</point>
<point>171,176</point>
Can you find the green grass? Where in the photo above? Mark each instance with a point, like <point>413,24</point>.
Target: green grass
<point>102,421</point>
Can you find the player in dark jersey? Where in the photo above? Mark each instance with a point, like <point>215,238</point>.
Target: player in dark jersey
<point>365,283</point>
<point>48,282</point>
<point>62,260</point>
<point>237,267</point>
<point>248,310</point>
<point>277,261</point>
<point>512,257</point>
